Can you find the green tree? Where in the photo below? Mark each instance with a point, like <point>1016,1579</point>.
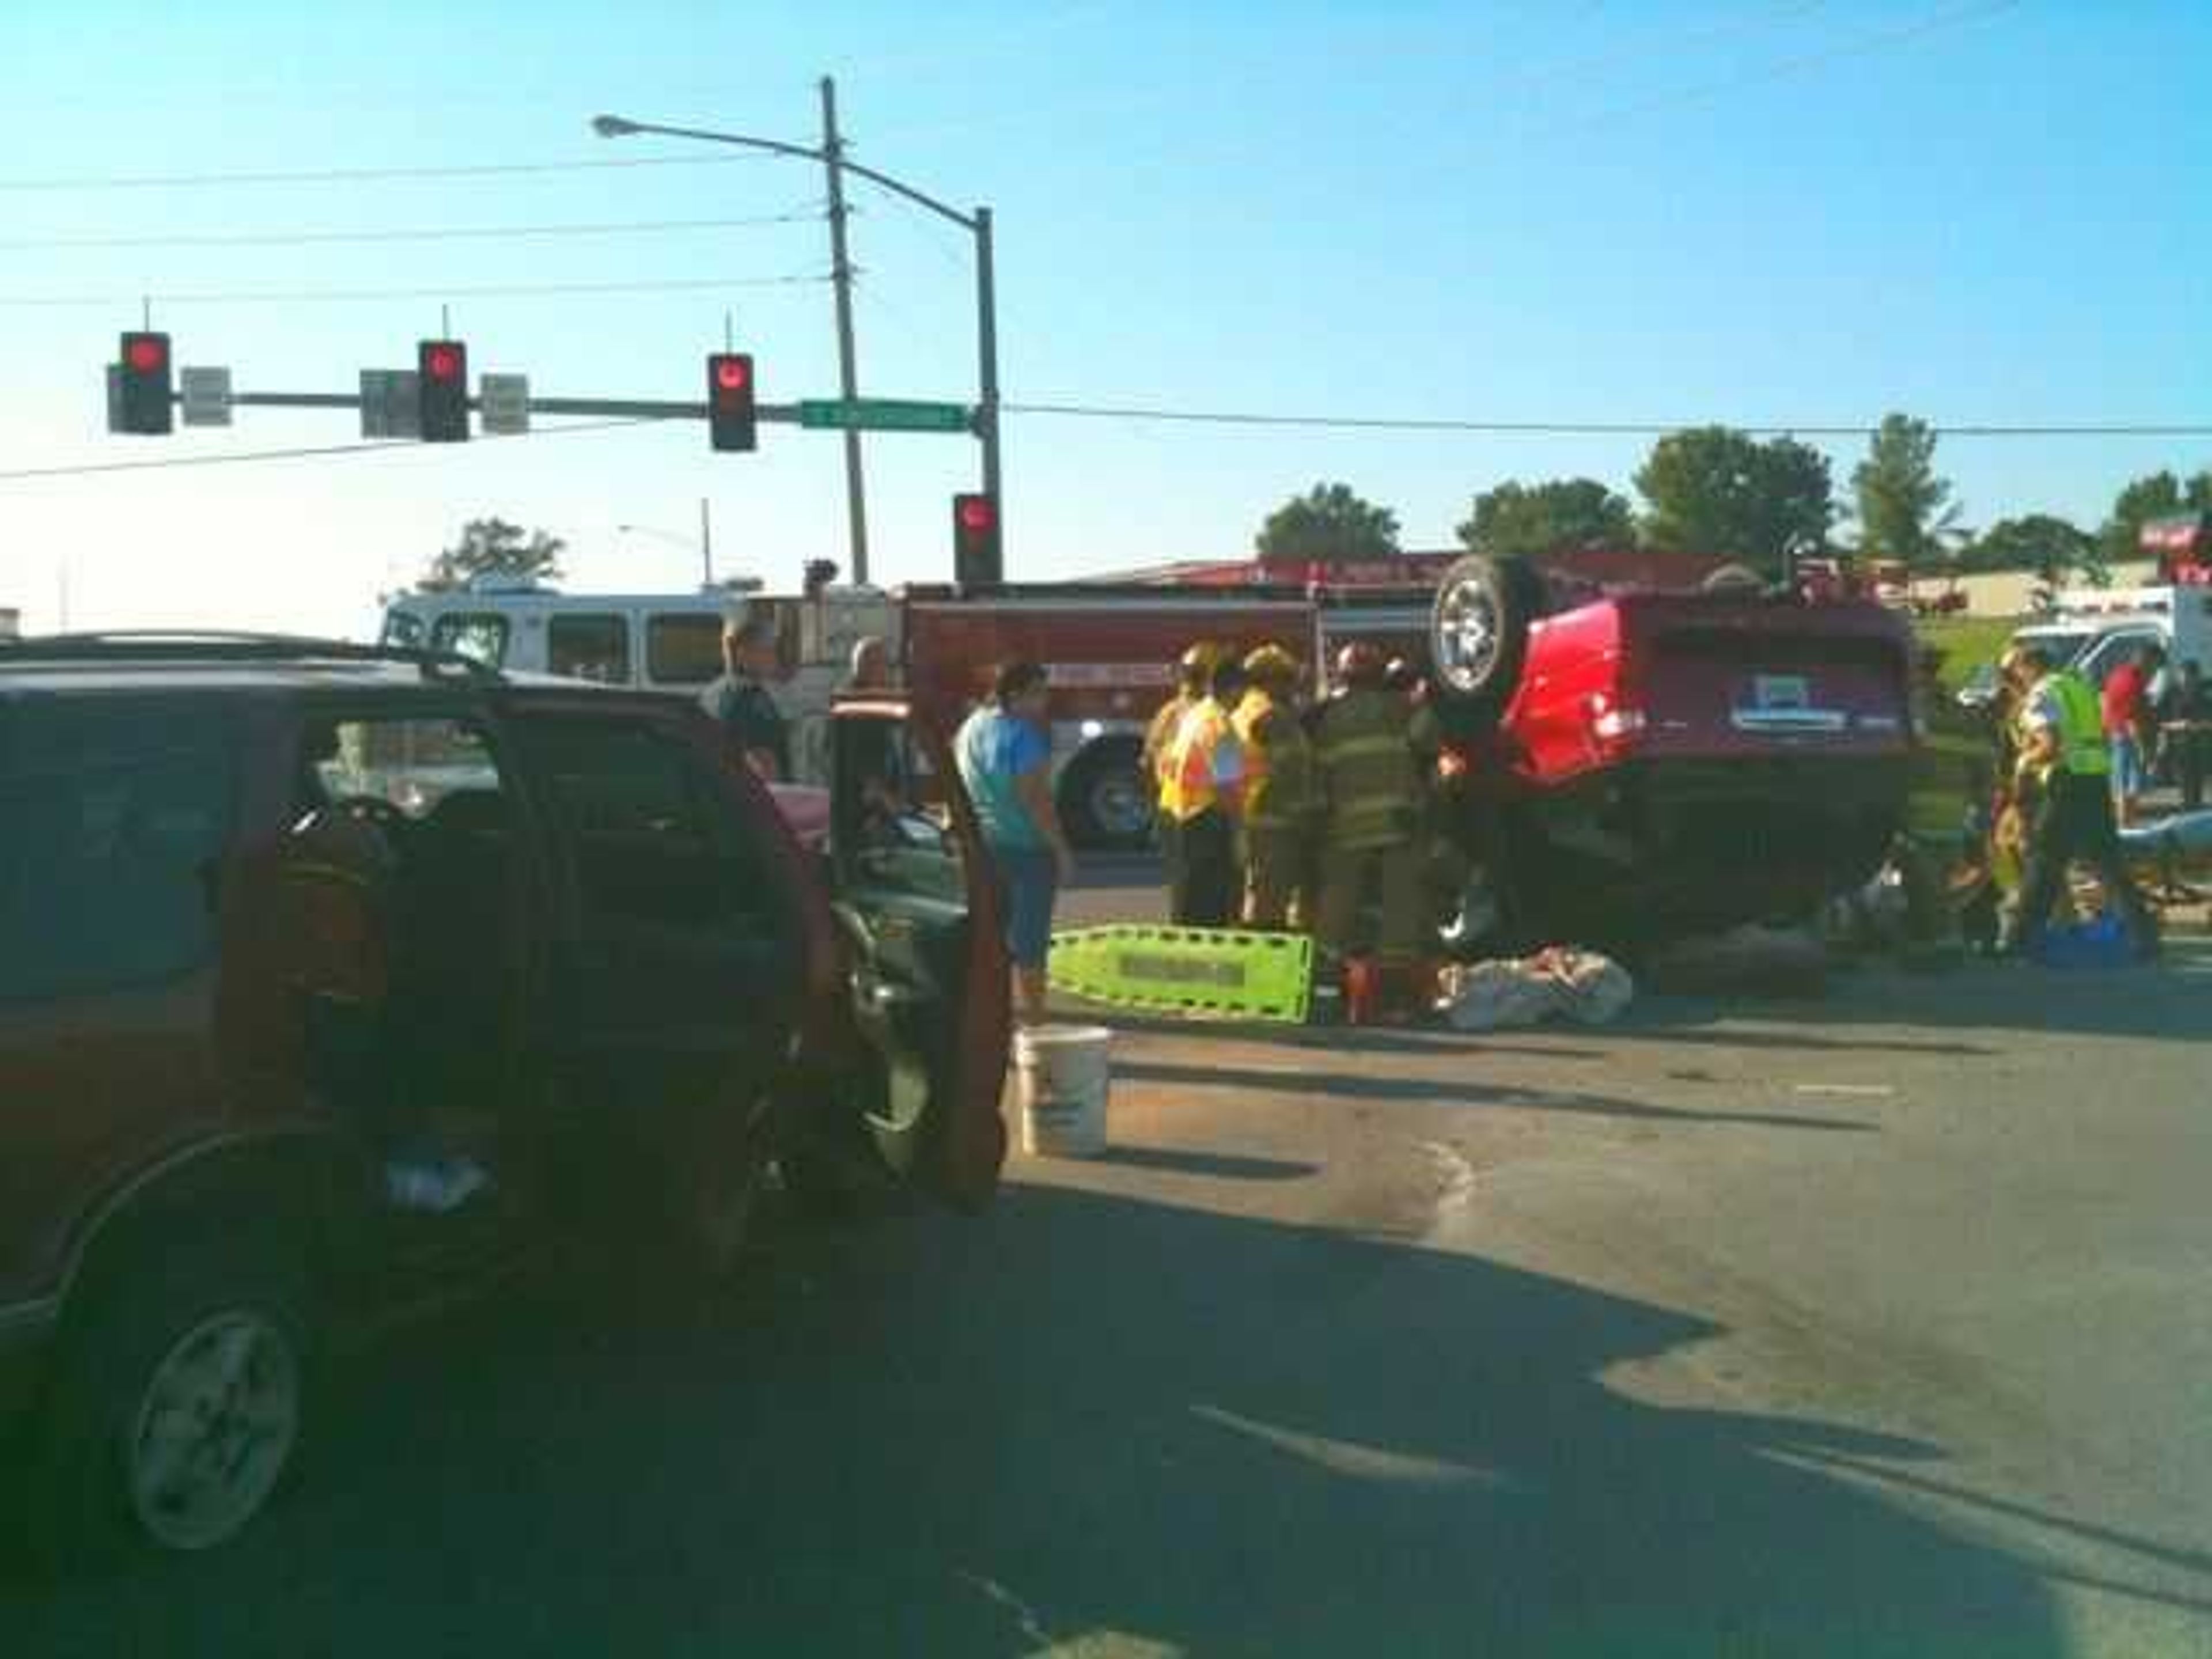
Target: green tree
<point>2040,542</point>
<point>493,547</point>
<point>1906,511</point>
<point>2155,496</point>
<point>1534,519</point>
<point>1328,522</point>
<point>1714,490</point>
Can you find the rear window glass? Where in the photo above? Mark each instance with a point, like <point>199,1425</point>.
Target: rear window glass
<point>113,825</point>
<point>683,650</point>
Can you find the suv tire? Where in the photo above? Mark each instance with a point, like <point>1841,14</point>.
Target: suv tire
<point>1478,633</point>
<point>176,1408</point>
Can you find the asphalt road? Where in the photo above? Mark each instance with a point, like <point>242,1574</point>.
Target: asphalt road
<point>1874,1324</point>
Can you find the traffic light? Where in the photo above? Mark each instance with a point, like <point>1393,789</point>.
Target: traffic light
<point>145,376</point>
<point>442,368</point>
<point>730,417</point>
<point>975,556</point>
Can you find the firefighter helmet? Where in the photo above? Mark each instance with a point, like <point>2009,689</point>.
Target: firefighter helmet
<point>1360,664</point>
<point>1270,664</point>
<point>1196,665</point>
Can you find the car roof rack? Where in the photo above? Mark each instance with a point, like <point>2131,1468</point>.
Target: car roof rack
<point>214,646</point>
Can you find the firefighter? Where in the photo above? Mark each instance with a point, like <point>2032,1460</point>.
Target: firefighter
<point>1193,672</point>
<point>1364,757</point>
<point>1201,796</point>
<point>2065,769</point>
<point>1278,795</point>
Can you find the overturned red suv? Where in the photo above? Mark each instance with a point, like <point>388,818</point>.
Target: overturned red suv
<point>1625,767</point>
<point>335,982</point>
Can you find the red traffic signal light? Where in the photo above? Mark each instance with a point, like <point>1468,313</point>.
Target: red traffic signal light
<point>732,423</point>
<point>442,368</point>
<point>143,382</point>
<point>976,557</point>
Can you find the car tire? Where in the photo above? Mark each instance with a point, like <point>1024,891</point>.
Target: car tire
<point>176,1409</point>
<point>1479,633</point>
<point>1103,799</point>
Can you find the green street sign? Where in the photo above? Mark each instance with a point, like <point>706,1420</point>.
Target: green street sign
<point>881,414</point>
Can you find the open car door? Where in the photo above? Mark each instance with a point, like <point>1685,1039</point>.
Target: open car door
<point>917,901</point>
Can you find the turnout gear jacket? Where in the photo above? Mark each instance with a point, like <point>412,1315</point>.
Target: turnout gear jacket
<point>1366,764</point>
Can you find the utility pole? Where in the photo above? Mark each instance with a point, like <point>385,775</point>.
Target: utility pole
<point>706,543</point>
<point>987,351</point>
<point>841,280</point>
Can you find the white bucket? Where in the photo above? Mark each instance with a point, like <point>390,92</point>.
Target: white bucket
<point>1061,1077</point>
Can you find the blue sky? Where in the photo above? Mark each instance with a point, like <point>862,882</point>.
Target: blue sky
<point>1715,210</point>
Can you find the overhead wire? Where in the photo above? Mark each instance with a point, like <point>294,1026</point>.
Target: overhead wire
<point>1592,429</point>
<point>310,451</point>
<point>366,175</point>
<point>449,291</point>
<point>420,234</point>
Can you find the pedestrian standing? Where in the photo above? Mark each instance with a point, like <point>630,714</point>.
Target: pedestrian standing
<point>1280,801</point>
<point>2125,714</point>
<point>1192,672</point>
<point>740,701</point>
<point>2065,770</point>
<point>2187,716</point>
<point>1364,752</point>
<point>1004,754</point>
<point>1201,797</point>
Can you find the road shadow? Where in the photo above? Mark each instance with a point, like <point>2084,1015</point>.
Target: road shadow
<point>1346,1039</point>
<point>1219,1166</point>
<point>1369,1086</point>
<point>1082,1416</point>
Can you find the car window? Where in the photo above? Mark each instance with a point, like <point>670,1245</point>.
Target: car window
<point>480,635</point>
<point>891,831</point>
<point>113,825</point>
<point>682,649</point>
<point>404,628</point>
<point>656,840</point>
<point>413,764</point>
<point>589,648</point>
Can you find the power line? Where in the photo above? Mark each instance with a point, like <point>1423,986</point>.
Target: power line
<point>313,451</point>
<point>1783,68</point>
<point>1591,429</point>
<point>435,234</point>
<point>465,291</point>
<point>366,175</point>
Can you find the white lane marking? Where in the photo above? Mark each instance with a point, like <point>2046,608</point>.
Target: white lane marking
<point>1364,1462</point>
<point>1855,1089</point>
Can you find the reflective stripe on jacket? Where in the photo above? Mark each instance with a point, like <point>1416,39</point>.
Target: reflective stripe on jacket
<point>1366,764</point>
<point>1205,764</point>
<point>1279,780</point>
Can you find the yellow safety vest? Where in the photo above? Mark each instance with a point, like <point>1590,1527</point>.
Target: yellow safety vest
<point>1190,775</point>
<point>1279,784</point>
<point>1160,736</point>
<point>1366,764</point>
<point>2082,749</point>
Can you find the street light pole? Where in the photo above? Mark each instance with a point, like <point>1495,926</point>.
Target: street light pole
<point>987,370</point>
<point>977,224</point>
<point>849,378</point>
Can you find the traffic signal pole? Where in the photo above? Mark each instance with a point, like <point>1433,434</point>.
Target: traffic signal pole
<point>848,377</point>
<point>976,223</point>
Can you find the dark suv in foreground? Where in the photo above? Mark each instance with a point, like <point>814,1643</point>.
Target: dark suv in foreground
<point>277,915</point>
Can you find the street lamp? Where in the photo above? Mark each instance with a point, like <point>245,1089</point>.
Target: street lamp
<point>976,223</point>
<point>705,539</point>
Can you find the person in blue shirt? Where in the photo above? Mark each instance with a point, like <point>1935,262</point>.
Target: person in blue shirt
<point>1004,754</point>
